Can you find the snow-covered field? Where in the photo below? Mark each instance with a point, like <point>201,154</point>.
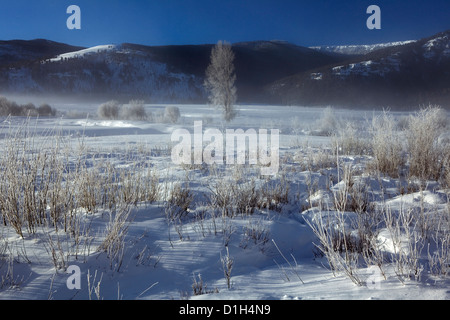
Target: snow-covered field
<point>163,250</point>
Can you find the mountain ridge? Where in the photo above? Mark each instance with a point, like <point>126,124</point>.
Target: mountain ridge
<point>273,71</point>
<point>400,76</point>
<point>360,49</point>
<point>157,73</point>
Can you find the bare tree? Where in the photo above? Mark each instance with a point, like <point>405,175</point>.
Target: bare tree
<point>220,79</point>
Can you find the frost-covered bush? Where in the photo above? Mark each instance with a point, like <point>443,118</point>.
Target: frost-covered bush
<point>46,110</point>
<point>387,145</point>
<point>349,140</point>
<point>327,123</point>
<point>133,111</point>
<point>11,108</point>
<point>425,151</point>
<point>112,110</point>
<point>109,110</point>
<point>172,114</point>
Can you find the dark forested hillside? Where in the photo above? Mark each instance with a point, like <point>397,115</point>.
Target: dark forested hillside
<point>413,74</point>
<point>394,76</point>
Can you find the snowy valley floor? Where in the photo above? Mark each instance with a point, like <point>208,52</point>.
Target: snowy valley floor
<point>184,223</point>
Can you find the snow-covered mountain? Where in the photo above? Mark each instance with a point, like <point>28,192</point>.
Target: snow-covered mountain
<point>99,71</point>
<point>360,49</point>
<point>393,74</point>
<point>156,73</point>
<point>84,52</point>
<point>402,75</point>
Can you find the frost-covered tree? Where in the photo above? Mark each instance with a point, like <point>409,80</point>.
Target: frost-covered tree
<point>220,79</point>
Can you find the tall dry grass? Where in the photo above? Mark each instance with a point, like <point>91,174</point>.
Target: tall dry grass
<point>47,181</point>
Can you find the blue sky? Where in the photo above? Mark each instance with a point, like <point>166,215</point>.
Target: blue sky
<point>164,22</point>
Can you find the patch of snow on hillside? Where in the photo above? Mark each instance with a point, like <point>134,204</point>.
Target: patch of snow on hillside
<point>369,67</point>
<point>360,49</point>
<point>436,46</point>
<point>82,53</point>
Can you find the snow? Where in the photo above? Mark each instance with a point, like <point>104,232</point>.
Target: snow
<point>369,67</point>
<point>360,49</point>
<point>83,52</point>
<point>161,261</point>
<point>126,71</point>
<point>104,123</point>
<point>436,46</point>
<point>316,76</point>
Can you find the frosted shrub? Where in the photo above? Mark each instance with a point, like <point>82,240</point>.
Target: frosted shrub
<point>318,158</point>
<point>114,239</point>
<point>112,110</point>
<point>199,287</point>
<point>28,110</point>
<point>109,110</point>
<point>171,114</point>
<point>178,205</point>
<point>227,265</point>
<point>274,194</point>
<point>255,233</point>
<point>386,145</point>
<point>328,123</point>
<point>235,198</point>
<point>338,245</point>
<point>11,108</point>
<point>133,111</point>
<point>425,152</point>
<point>348,141</point>
<point>46,110</point>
